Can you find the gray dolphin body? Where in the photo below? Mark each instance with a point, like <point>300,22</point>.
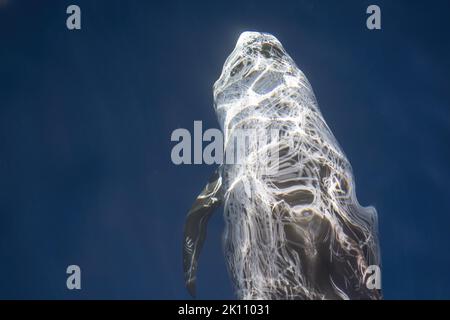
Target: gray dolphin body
<point>294,228</point>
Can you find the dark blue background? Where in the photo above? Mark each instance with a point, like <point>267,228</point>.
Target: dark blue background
<point>86,117</point>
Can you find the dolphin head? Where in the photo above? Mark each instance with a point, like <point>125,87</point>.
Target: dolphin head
<point>250,61</point>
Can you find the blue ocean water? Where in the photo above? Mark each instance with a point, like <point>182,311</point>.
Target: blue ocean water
<point>86,116</point>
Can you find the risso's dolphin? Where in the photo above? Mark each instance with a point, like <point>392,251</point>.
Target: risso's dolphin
<point>294,227</point>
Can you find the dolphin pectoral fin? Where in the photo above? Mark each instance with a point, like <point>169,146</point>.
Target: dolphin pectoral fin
<point>195,228</point>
